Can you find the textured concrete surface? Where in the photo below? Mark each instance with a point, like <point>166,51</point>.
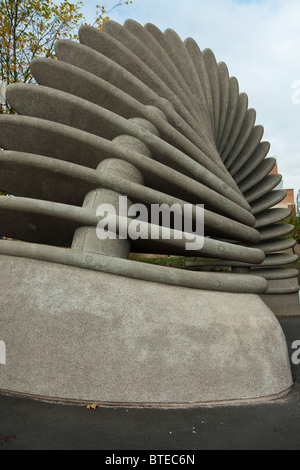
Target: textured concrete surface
<point>37,425</point>
<point>73,333</point>
<point>280,302</point>
<point>158,103</point>
<point>283,304</point>
<point>76,334</point>
<point>203,128</point>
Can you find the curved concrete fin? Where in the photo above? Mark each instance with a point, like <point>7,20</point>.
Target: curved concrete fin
<point>64,108</point>
<point>243,137</point>
<point>112,49</point>
<point>267,201</point>
<point>275,230</point>
<point>73,80</point>
<point>248,152</point>
<point>238,122</point>
<point>143,45</point>
<point>259,172</point>
<point>158,104</point>
<point>271,216</point>
<point>233,103</point>
<point>38,174</point>
<point>212,71</point>
<point>268,183</point>
<point>276,244</point>
<point>224,98</point>
<point>35,221</point>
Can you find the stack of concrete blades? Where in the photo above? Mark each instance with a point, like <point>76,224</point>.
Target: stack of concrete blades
<point>177,120</point>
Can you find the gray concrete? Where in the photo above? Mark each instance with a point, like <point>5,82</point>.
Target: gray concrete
<point>40,425</point>
<point>222,282</point>
<point>86,238</point>
<point>283,304</point>
<point>56,106</point>
<point>275,244</point>
<point>85,149</point>
<point>86,323</point>
<point>256,175</point>
<point>141,432</point>
<point>268,201</point>
<point>76,334</point>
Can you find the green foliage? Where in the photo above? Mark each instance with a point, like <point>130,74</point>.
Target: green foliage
<point>178,262</point>
<point>30,29</point>
<point>294,220</point>
<point>173,261</point>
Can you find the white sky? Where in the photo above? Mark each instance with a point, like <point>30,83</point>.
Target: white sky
<point>259,40</point>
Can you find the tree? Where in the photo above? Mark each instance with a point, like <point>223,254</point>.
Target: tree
<point>30,28</point>
<point>102,13</point>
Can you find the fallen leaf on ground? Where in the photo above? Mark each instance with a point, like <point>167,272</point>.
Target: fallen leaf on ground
<point>93,406</point>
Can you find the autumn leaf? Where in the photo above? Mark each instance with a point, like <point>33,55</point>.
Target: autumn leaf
<point>93,406</point>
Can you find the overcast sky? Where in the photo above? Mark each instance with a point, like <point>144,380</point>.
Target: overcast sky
<point>259,40</point>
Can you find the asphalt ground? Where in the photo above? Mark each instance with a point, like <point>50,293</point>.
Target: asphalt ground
<point>29,424</point>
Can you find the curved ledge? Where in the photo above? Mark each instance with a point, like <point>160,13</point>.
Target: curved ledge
<point>136,270</point>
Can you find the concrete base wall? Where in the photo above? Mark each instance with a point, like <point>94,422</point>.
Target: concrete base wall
<point>75,334</point>
<point>283,304</point>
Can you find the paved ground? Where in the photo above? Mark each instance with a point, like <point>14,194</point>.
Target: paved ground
<point>39,425</point>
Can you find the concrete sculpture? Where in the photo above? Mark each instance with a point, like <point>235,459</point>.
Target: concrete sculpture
<point>136,112</point>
